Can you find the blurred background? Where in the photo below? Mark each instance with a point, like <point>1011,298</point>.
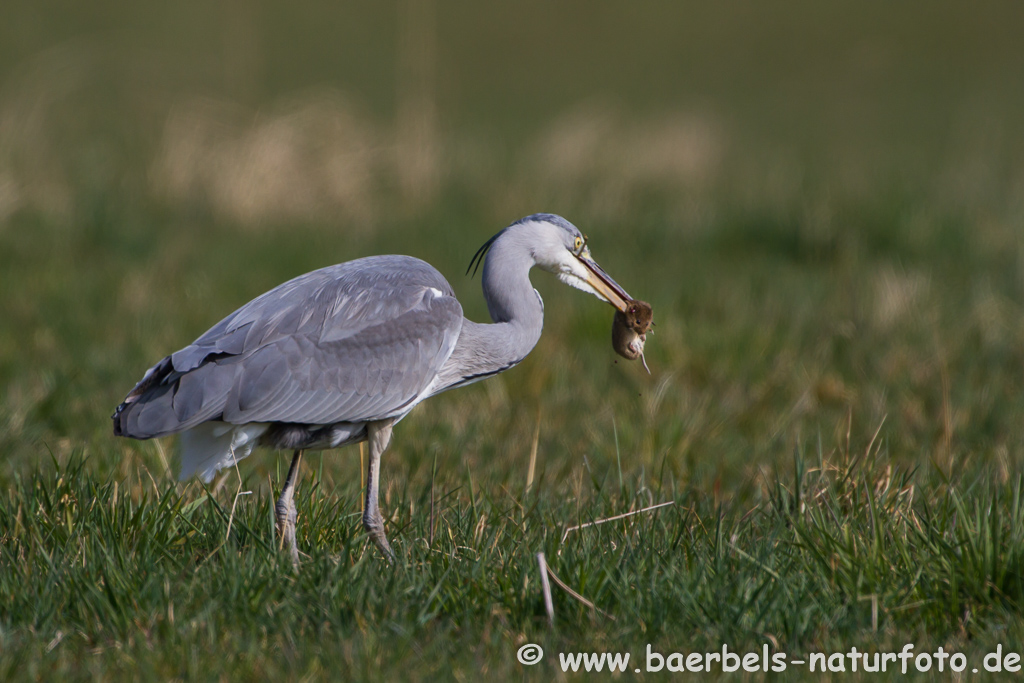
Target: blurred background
<point>823,202</point>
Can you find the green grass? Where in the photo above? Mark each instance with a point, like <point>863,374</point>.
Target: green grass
<point>141,579</point>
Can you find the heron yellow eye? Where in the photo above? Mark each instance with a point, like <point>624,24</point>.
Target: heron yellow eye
<point>578,243</point>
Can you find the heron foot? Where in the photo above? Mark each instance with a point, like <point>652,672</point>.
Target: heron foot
<point>379,435</point>
<point>286,514</point>
<point>286,517</point>
<point>374,525</point>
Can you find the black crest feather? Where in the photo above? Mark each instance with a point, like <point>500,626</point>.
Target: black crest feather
<point>478,257</point>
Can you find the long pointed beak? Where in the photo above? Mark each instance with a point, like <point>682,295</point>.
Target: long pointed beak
<point>605,285</point>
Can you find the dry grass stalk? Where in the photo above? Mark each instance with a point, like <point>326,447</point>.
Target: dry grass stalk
<point>565,587</point>
<point>612,519</point>
<point>549,606</point>
<point>533,455</point>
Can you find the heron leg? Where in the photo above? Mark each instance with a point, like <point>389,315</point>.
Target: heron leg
<point>285,510</point>
<point>378,434</point>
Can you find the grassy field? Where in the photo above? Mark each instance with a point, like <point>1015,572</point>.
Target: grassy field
<point>831,239</point>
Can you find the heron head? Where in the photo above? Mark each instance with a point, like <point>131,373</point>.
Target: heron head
<point>557,246</point>
<point>560,248</point>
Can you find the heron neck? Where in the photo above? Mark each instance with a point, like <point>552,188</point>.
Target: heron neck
<point>515,306</point>
<point>483,350</point>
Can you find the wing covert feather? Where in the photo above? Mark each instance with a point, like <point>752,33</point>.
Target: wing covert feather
<point>373,374</point>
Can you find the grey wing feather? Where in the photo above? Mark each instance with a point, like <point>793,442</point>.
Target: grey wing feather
<point>358,341</point>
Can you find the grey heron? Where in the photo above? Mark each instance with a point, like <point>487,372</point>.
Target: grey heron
<point>341,354</point>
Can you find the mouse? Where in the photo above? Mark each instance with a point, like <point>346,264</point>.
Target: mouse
<point>629,330</point>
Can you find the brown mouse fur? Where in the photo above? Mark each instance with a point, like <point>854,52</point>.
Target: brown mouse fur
<point>629,330</point>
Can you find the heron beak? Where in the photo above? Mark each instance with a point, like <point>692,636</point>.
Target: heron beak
<point>604,284</point>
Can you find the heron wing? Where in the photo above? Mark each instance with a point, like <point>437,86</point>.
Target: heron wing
<point>354,342</point>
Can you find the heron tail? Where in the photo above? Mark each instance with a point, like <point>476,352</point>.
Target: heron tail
<point>212,446</point>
